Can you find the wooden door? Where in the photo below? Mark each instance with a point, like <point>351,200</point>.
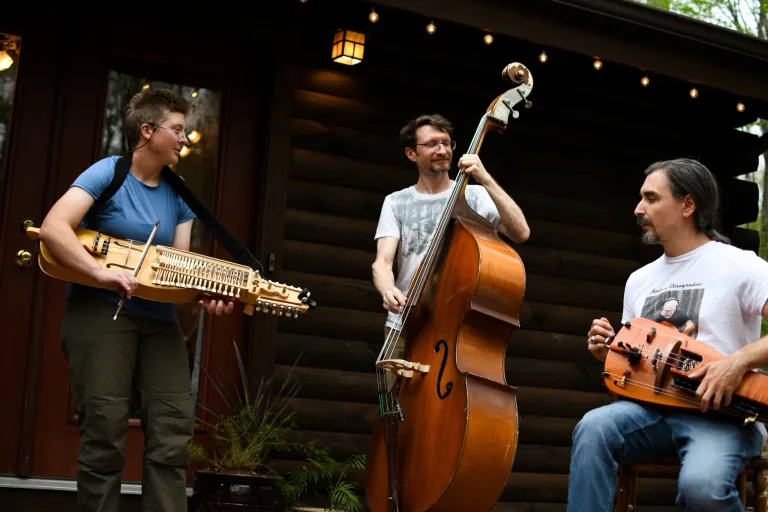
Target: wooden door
<point>97,76</point>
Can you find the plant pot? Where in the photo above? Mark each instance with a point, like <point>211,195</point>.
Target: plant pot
<point>230,492</point>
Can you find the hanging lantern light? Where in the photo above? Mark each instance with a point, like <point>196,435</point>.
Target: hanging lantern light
<point>348,47</point>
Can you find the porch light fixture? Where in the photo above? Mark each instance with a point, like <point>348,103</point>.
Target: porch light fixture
<point>5,61</point>
<point>348,47</point>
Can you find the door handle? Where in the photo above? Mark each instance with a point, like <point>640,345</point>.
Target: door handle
<point>23,258</point>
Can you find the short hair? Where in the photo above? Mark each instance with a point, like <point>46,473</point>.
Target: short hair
<point>690,177</point>
<point>408,132</point>
<point>150,106</point>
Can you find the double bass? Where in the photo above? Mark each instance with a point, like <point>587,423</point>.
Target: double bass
<point>651,363</point>
<point>447,433</point>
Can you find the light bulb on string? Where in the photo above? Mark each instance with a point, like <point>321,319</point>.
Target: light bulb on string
<point>543,56</point>
<point>598,64</point>
<point>374,16</point>
<point>694,93</point>
<point>645,81</point>
<point>740,107</point>
<point>488,39</point>
<point>431,28</point>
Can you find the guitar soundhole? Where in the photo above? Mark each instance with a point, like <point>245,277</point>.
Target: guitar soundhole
<point>448,385</point>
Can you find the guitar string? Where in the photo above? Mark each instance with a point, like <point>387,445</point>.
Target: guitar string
<point>663,391</point>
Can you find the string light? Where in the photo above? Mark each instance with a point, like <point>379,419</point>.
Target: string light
<point>145,86</point>
<point>194,94</point>
<point>543,58</point>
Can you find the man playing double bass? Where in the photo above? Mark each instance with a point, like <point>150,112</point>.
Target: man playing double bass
<point>409,216</point>
<point>702,281</point>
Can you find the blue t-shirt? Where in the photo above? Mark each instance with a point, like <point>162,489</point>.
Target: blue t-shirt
<point>131,214</point>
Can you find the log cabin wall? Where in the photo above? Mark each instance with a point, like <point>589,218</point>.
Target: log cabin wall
<point>574,163</point>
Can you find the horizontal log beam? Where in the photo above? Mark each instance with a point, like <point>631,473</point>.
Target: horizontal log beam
<point>318,258</point>
<point>533,130</point>
<point>528,457</point>
<point>359,356</point>
<point>369,326</point>
<point>310,167</point>
<point>360,388</point>
<point>344,292</point>
<point>348,417</point>
<point>316,215</point>
<point>537,487</point>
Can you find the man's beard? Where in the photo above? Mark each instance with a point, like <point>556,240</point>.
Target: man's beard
<point>649,237</point>
<point>440,167</point>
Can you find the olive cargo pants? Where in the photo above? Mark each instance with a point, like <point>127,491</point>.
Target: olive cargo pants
<point>104,355</point>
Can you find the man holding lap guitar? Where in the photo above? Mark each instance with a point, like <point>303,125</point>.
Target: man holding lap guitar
<point>702,288</point>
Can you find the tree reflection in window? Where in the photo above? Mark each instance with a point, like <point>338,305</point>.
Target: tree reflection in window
<point>198,166</point>
<point>9,63</point>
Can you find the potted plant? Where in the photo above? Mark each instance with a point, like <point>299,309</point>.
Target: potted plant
<point>237,473</point>
<point>323,475</point>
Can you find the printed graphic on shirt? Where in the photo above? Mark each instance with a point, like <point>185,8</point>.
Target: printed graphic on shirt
<point>676,306</point>
<point>419,223</point>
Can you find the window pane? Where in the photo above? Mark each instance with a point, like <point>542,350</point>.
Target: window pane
<point>9,62</point>
<point>198,166</point>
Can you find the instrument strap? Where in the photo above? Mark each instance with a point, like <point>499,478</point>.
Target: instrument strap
<point>241,254</point>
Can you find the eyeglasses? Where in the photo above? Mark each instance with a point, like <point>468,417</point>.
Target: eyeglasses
<point>448,144</point>
<point>179,133</point>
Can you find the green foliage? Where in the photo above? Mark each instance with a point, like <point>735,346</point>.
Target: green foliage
<point>252,431</point>
<point>747,16</point>
<point>327,476</point>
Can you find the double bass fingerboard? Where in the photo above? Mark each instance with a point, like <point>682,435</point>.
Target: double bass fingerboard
<point>182,269</point>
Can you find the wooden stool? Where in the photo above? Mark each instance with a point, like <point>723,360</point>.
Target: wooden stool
<point>626,490</point>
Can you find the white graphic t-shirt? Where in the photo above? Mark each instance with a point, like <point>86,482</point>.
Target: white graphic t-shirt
<point>412,218</point>
<point>714,294</point>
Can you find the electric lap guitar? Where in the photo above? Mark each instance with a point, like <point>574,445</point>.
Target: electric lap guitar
<point>165,274</point>
<point>651,363</point>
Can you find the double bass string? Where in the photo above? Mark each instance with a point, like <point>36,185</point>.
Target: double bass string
<point>418,281</point>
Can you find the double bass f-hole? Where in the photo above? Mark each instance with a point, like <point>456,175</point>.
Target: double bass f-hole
<point>448,385</point>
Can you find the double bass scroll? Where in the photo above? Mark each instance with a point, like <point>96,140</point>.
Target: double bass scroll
<point>448,428</point>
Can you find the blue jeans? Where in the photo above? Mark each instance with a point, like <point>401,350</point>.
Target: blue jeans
<point>713,452</point>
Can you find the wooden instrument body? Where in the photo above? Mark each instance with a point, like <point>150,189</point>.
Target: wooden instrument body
<point>469,307</point>
<point>172,275</point>
<point>660,375</point>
